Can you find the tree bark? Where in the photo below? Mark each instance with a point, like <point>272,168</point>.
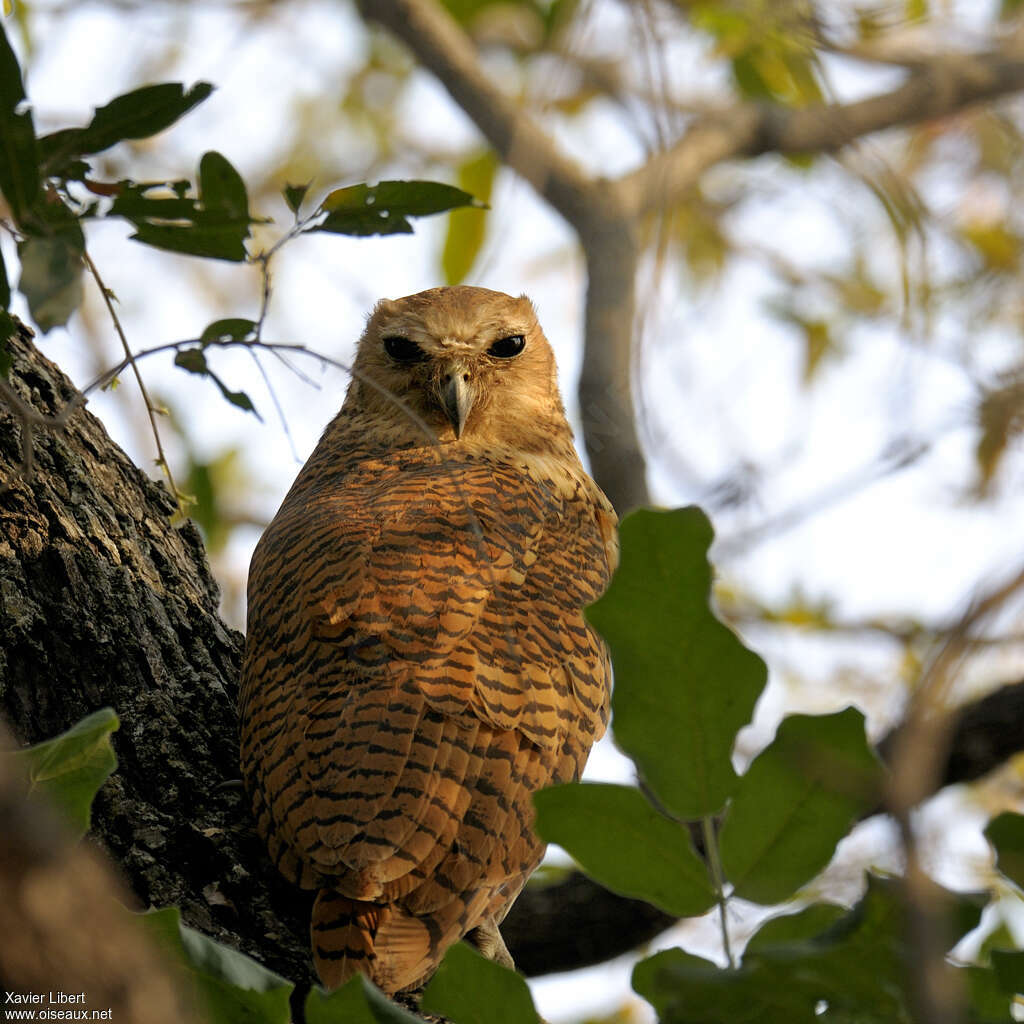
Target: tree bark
<point>104,602</point>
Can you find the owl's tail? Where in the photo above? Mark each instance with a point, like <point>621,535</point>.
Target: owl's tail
<point>395,949</point>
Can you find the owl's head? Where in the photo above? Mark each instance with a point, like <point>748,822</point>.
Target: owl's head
<point>472,365</point>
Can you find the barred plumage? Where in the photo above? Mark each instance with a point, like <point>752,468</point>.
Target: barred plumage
<point>417,661</point>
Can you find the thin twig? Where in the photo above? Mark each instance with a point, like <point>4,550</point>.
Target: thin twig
<point>718,881</point>
<point>31,418</point>
<point>130,360</point>
<point>277,404</point>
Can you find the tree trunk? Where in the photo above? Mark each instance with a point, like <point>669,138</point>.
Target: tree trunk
<point>104,602</point>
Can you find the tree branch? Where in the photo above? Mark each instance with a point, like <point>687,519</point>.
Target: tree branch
<point>441,46</point>
<point>939,88</point>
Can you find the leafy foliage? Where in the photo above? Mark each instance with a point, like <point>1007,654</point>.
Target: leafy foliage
<point>796,801</point>
<point>853,970</point>
<point>232,988</point>
<point>385,209</point>
<point>69,769</point>
<point>1006,834</point>
<point>661,866</point>
<point>215,224</point>
<point>683,681</point>
<point>471,990</point>
<point>48,186</point>
<point>780,820</point>
<point>358,1002</point>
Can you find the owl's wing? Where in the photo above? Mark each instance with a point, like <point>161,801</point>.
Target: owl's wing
<point>421,642</point>
<point>479,604</point>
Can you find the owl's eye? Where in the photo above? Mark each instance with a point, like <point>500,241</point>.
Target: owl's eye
<point>506,348</point>
<point>402,350</point>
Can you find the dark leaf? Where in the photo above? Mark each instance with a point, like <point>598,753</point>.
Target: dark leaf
<point>213,242</point>
<point>221,189</point>
<point>294,194</point>
<point>237,398</point>
<point>20,181</point>
<point>193,360</point>
<point>230,329</point>
<point>135,201</point>
<point>216,225</point>
<point>684,683</point>
<point>471,990</point>
<point>1009,968</point>
<point>383,209</point>
<point>8,327</point>
<point>135,115</point>
<point>625,844</point>
<point>70,768</point>
<point>51,276</point>
<point>988,1002</point>
<point>853,971</point>
<point>804,924</point>
<point>5,285</point>
<point>1006,834</point>
<point>798,798</point>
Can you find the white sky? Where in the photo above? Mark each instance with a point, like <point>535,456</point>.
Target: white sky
<point>718,377</point>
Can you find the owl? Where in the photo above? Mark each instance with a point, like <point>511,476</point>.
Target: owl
<point>418,663</point>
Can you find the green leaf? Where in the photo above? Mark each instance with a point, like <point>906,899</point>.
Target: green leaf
<point>51,264</point>
<point>358,1001</point>
<point>294,195</point>
<point>217,242</point>
<point>624,843</point>
<point>139,114</point>
<point>472,990</point>
<point>221,189</point>
<point>229,329</point>
<point>193,360</point>
<point>216,225</point>
<point>20,181</point>
<point>798,798</point>
<point>749,79</point>
<point>807,923</point>
<point>236,398</point>
<point>234,988</point>
<point>1009,968</point>
<point>856,969</point>
<point>988,1001</point>
<point>467,228</point>
<point>684,683</point>
<point>1006,834</point>
<point>686,988</point>
<point>383,209</point>
<point>70,768</point>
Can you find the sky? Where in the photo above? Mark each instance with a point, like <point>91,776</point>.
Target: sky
<point>719,380</point>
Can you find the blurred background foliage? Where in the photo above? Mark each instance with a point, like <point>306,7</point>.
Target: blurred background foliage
<point>828,349</point>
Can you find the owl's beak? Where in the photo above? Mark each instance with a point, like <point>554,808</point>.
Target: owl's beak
<point>457,396</point>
